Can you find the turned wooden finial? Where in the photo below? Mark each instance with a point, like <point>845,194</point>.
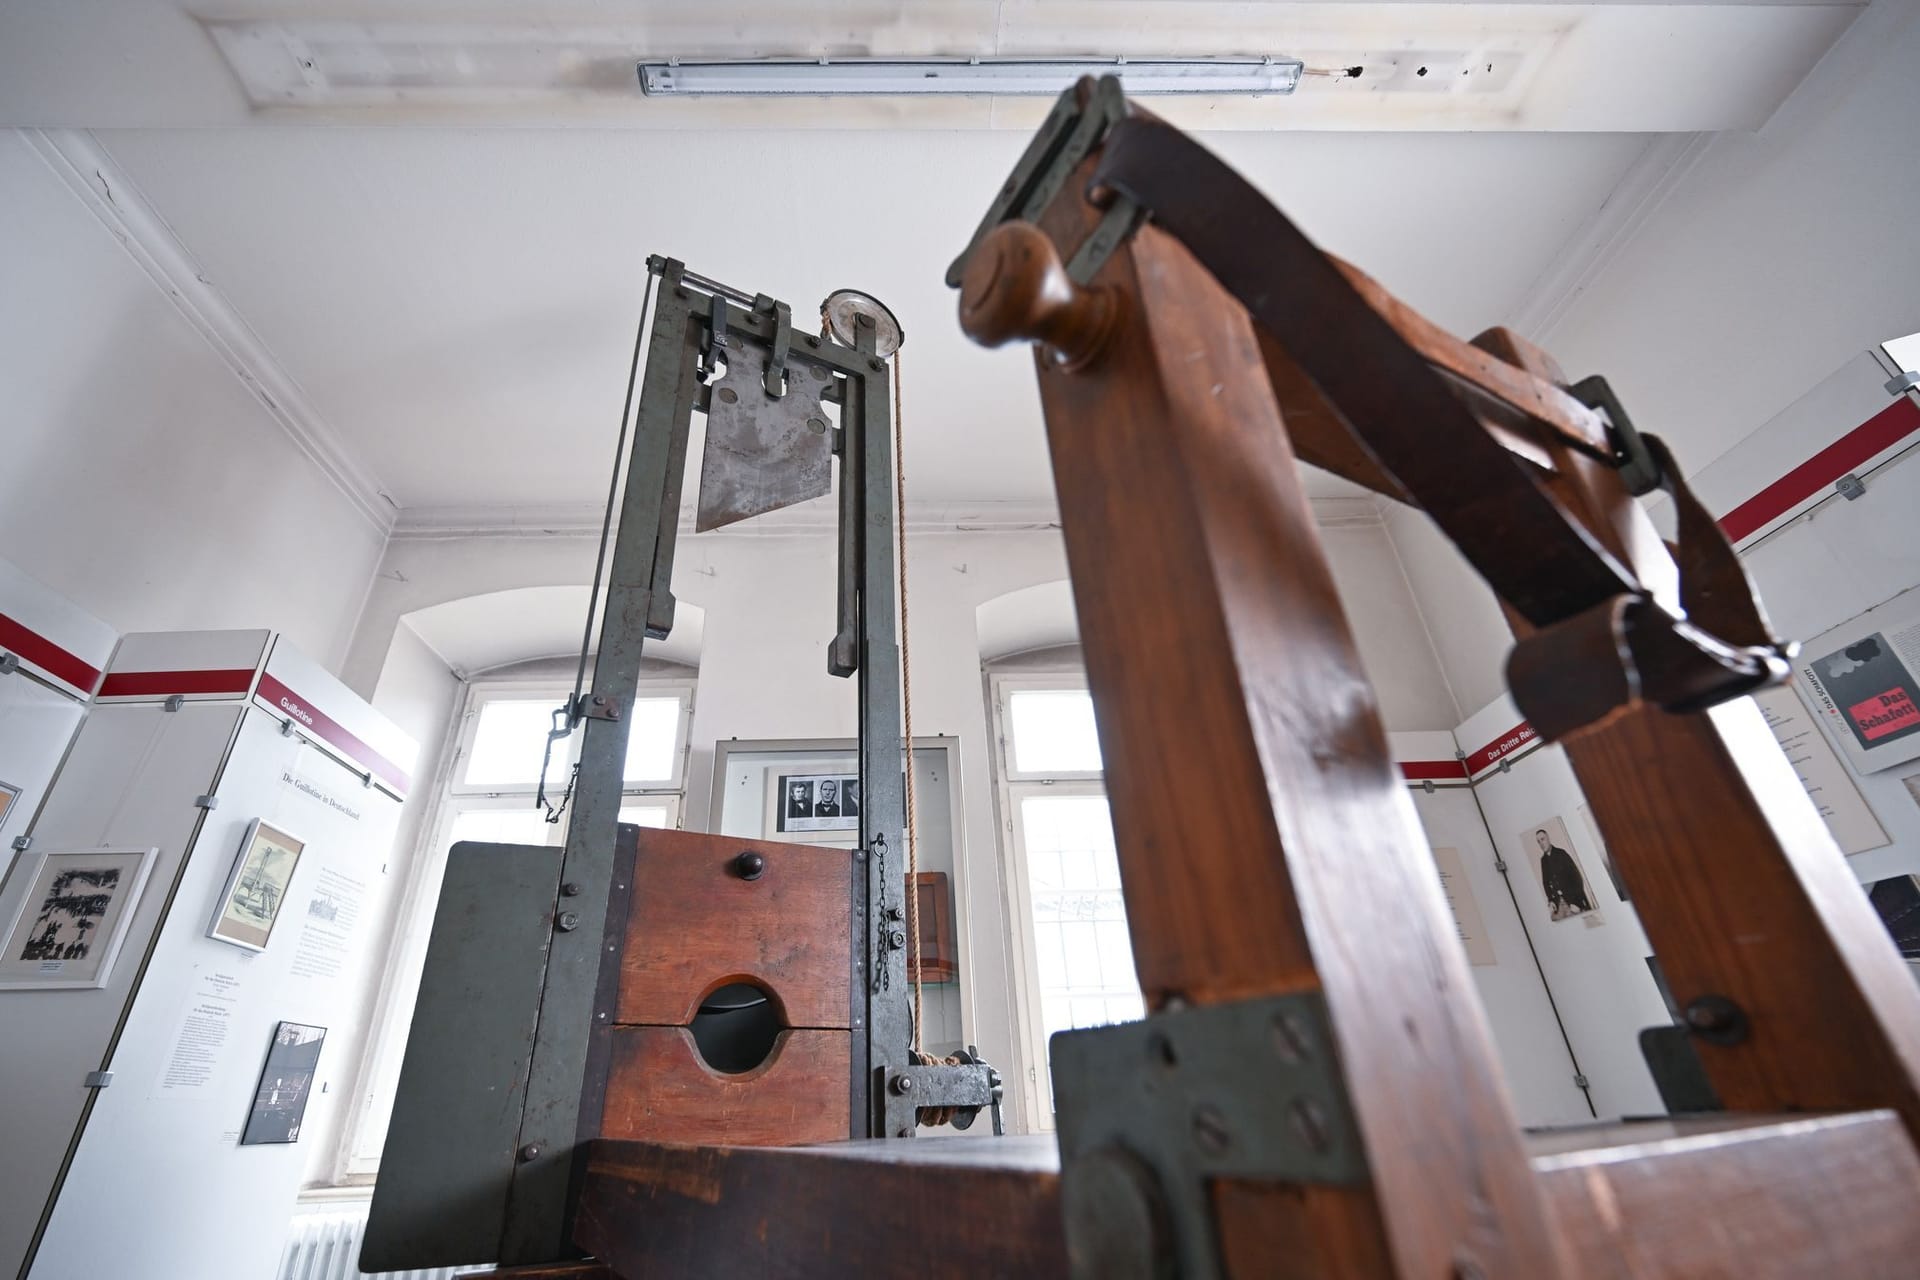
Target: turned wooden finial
<point>1016,288</point>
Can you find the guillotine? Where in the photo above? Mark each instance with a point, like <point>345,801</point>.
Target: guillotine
<point>1313,1092</point>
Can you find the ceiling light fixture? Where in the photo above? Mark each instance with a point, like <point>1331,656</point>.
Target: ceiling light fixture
<point>825,77</point>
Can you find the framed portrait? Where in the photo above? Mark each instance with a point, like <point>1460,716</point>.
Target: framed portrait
<point>1560,871</point>
<point>68,928</point>
<point>256,888</point>
<point>939,958</point>
<point>8,794</point>
<point>802,806</point>
<point>286,1080</point>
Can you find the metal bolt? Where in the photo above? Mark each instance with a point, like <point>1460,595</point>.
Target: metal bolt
<point>1291,1038</point>
<point>749,865</point>
<point>1310,1124</point>
<point>893,913</point>
<point>1210,1132</point>
<point>568,921</point>
<point>875,364</point>
<point>901,1084</point>
<point>896,939</point>
<point>530,1152</point>
<point>571,889</point>
<point>906,1132</point>
<point>812,340</point>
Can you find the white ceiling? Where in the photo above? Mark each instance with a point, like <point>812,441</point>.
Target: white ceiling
<point>457,303</point>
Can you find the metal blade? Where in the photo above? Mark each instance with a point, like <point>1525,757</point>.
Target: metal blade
<point>763,453</point>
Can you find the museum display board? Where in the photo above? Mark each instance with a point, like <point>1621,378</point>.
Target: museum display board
<point>240,804</point>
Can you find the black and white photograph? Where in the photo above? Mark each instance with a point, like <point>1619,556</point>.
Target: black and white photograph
<point>256,888</point>
<point>1897,902</point>
<point>818,802</point>
<point>71,922</point>
<point>1562,876</point>
<point>280,1103</point>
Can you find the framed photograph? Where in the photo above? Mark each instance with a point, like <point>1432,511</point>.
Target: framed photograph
<point>1562,875</point>
<point>800,806</point>
<point>76,912</point>
<point>8,794</point>
<point>280,1103</point>
<point>256,887</point>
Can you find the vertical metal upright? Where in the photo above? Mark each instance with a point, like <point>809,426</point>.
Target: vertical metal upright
<point>638,589</point>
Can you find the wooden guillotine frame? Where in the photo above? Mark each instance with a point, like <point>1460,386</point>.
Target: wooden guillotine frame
<point>1314,1092</point>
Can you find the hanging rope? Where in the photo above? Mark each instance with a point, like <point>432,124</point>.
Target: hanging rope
<point>906,704</point>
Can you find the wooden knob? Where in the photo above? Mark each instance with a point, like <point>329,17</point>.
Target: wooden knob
<point>1016,288</point>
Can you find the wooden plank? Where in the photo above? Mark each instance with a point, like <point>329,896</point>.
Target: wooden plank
<point>1736,880</point>
<point>697,925</point>
<point>798,1212</point>
<point>1758,1197</point>
<point>1247,766</point>
<point>1785,1200</point>
<point>658,1089</point>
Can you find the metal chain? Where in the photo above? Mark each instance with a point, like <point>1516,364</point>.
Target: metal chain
<point>906,702</point>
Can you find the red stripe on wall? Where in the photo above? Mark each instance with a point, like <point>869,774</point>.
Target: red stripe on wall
<point>1436,770</point>
<point>29,645</point>
<point>330,731</point>
<point>1850,452</point>
<point>1516,739</point>
<point>164,684</point>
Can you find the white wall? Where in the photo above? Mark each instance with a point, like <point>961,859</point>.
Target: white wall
<point>1782,253</point>
<point>143,480</point>
<point>420,695</point>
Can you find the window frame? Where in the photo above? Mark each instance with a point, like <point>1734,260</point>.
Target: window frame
<point>357,1159</point>
<point>1010,788</point>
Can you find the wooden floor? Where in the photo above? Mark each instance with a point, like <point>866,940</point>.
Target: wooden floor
<point>1747,1196</point>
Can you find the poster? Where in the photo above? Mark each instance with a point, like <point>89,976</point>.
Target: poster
<point>1862,682</point>
<point>8,794</point>
<point>257,887</point>
<point>76,912</point>
<point>1840,803</point>
<point>1467,921</point>
<point>1561,873</point>
<point>280,1101</point>
<point>815,802</point>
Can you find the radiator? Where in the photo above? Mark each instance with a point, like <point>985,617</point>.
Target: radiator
<point>325,1245</point>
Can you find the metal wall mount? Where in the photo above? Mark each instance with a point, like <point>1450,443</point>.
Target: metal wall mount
<point>1149,1111</point>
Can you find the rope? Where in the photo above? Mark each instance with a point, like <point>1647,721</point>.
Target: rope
<point>906,701</point>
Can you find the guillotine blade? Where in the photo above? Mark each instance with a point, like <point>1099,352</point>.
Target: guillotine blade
<point>763,452</point>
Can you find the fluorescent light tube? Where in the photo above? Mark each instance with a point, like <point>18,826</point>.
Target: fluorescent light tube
<point>998,76</point>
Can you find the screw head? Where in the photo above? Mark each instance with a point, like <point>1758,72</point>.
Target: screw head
<point>901,1084</point>
<point>1210,1132</point>
<point>1292,1040</point>
<point>571,889</point>
<point>896,939</point>
<point>530,1152</point>
<point>1310,1125</point>
<point>568,921</point>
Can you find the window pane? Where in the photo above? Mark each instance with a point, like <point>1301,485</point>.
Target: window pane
<point>653,740</point>
<point>504,826</point>
<point>1052,731</point>
<point>645,815</point>
<point>508,742</point>
<point>1084,960</point>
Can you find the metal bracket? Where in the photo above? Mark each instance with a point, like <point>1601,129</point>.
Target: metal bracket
<point>9,663</point>
<point>1067,137</point>
<point>174,702</point>
<point>1639,470</point>
<point>22,843</point>
<point>716,336</point>
<point>594,707</point>
<point>99,1079</point>
<point>1150,1111</point>
<point>1903,382</point>
<point>775,380</point>
<point>286,728</point>
<point>1850,487</point>
<point>206,802</point>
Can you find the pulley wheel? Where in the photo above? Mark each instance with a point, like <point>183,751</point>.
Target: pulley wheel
<point>844,307</point>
